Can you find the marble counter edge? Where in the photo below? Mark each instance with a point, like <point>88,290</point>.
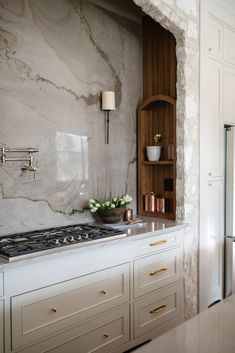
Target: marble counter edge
<point>152,228</point>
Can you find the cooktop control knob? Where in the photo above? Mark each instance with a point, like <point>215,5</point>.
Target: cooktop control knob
<point>85,236</point>
<point>63,240</point>
<point>55,241</point>
<point>70,238</point>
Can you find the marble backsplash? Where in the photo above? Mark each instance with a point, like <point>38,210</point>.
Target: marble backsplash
<point>55,59</point>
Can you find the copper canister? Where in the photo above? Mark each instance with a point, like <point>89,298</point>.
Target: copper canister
<point>149,202</point>
<point>128,215</point>
<point>160,204</point>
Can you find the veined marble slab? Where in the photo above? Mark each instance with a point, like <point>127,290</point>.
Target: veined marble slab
<point>56,57</point>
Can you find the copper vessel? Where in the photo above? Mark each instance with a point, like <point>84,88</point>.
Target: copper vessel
<point>150,202</point>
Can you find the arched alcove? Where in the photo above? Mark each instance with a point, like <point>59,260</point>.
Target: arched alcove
<point>180,18</point>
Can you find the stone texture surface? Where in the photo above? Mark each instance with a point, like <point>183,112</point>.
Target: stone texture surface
<point>55,58</point>
<point>181,18</point>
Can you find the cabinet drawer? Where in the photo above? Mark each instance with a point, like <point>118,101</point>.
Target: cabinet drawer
<point>157,243</point>
<point>153,311</point>
<point>1,284</point>
<point>156,271</point>
<point>42,312</point>
<point>103,334</point>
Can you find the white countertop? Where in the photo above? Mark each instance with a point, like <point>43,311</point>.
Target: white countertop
<point>212,331</point>
<point>152,226</point>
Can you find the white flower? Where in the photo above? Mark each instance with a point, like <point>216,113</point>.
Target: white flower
<point>91,201</point>
<point>107,203</point>
<point>94,209</point>
<point>127,198</point>
<point>112,205</point>
<point>122,202</point>
<point>114,199</point>
<point>97,205</point>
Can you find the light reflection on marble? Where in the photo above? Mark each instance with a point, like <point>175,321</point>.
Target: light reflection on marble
<point>72,157</point>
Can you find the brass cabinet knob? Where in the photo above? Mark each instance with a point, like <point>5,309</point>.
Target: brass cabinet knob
<point>106,335</point>
<point>209,173</point>
<point>103,291</point>
<point>53,310</point>
<point>209,49</point>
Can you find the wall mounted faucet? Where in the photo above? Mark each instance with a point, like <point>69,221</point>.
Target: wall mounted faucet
<point>26,166</point>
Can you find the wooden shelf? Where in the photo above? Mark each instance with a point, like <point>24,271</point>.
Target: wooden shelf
<point>157,115</point>
<point>158,162</point>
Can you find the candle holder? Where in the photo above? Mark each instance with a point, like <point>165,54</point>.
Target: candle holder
<point>108,103</point>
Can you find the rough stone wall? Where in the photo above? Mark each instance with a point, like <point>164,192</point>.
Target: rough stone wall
<point>181,17</point>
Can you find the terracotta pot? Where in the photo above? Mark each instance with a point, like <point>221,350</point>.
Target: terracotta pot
<point>113,215</point>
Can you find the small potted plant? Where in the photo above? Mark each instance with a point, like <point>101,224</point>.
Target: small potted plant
<point>154,152</point>
<point>110,211</point>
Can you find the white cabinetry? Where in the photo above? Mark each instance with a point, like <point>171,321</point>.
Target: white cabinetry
<point>217,107</point>
<point>213,123</point>
<point>1,327</point>
<point>229,45</point>
<point>215,240</point>
<point>108,309</point>
<point>1,313</point>
<point>45,311</point>
<point>215,38</point>
<point>157,282</point>
<point>229,94</point>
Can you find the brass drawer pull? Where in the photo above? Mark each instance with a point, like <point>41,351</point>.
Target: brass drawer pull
<point>53,310</point>
<point>106,335</point>
<point>103,291</point>
<point>209,49</point>
<point>159,242</point>
<point>157,272</point>
<point>159,308</point>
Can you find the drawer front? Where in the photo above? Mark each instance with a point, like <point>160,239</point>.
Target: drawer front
<point>1,284</point>
<point>40,313</point>
<point>102,334</point>
<point>155,271</point>
<point>158,243</point>
<point>153,311</point>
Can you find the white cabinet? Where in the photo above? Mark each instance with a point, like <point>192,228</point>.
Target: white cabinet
<point>156,271</point>
<point>110,308</point>
<point>229,45</point>
<point>103,334</point>
<point>157,289</point>
<point>215,38</point>
<point>154,310</point>
<point>45,311</point>
<point>213,121</point>
<point>1,327</point>
<point>229,94</point>
<point>215,240</point>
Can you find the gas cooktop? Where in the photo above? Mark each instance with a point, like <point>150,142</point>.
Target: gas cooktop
<point>23,245</point>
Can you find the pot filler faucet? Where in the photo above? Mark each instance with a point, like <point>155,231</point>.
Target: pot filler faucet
<point>26,167</point>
